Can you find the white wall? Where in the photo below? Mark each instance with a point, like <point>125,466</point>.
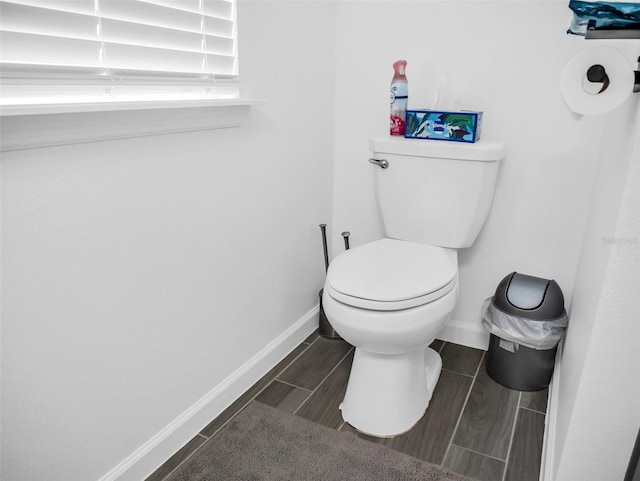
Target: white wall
<point>509,56</point>
<point>139,274</point>
<point>596,401</point>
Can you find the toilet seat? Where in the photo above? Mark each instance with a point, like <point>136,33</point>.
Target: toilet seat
<point>391,274</point>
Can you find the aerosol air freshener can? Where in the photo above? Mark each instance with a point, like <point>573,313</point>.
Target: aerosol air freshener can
<point>399,96</point>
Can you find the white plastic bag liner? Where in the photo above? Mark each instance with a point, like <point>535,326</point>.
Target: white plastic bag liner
<point>537,335</point>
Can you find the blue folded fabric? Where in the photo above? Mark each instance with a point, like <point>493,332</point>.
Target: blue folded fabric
<point>606,15</point>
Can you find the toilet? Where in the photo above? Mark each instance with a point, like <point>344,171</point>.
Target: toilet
<point>390,298</point>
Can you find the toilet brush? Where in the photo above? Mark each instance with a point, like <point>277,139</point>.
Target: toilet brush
<point>323,228</point>
<point>325,329</point>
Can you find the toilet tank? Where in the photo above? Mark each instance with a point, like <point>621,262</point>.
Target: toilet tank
<point>435,192</point>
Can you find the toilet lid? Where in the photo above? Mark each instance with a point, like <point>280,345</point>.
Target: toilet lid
<point>391,274</point>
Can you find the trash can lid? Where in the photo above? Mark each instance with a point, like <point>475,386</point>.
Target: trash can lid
<point>529,297</point>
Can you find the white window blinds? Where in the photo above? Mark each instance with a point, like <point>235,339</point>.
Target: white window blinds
<point>92,50</point>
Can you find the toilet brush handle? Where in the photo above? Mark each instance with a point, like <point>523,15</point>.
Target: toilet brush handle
<point>346,235</point>
<point>323,228</point>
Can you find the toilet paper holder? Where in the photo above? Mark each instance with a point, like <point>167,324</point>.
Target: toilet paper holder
<point>597,74</point>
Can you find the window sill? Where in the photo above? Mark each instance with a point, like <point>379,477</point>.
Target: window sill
<point>45,125</point>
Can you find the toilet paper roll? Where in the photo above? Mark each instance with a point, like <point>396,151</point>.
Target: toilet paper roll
<point>583,97</point>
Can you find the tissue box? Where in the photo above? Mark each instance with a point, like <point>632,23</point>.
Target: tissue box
<point>461,126</point>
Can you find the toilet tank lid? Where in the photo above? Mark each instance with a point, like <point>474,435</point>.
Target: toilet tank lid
<point>484,150</point>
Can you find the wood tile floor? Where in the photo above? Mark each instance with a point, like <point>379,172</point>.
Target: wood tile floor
<point>473,425</point>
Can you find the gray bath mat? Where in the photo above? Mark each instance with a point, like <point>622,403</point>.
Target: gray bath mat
<point>264,444</point>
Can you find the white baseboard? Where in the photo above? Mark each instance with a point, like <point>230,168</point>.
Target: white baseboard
<point>465,334</point>
<point>550,421</point>
<point>151,455</point>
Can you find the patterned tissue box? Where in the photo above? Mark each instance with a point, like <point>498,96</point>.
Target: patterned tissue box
<point>461,126</point>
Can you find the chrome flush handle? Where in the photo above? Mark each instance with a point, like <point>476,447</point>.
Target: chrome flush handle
<point>379,162</point>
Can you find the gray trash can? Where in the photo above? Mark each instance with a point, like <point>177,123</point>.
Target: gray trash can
<point>526,319</point>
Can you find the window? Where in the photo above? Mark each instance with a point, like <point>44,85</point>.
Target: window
<point>86,51</point>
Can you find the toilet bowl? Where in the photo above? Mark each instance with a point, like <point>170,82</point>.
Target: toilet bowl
<point>389,299</point>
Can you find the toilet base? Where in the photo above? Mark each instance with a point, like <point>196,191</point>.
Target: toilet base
<point>388,394</point>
